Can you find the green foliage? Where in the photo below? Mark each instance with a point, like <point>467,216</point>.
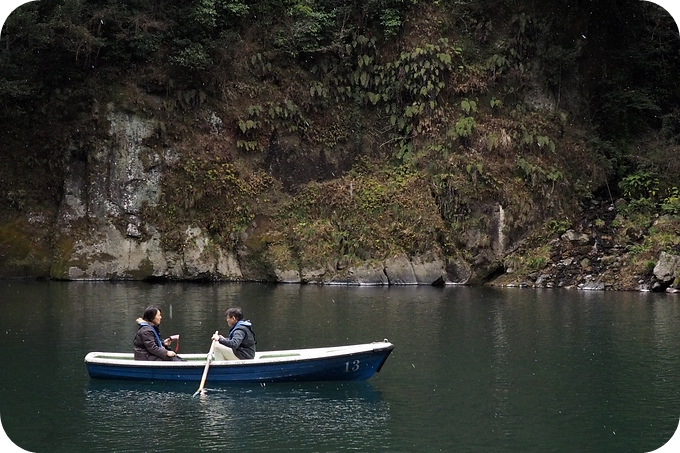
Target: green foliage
<point>539,177</point>
<point>671,204</point>
<point>640,184</point>
<point>519,51</point>
<point>262,120</point>
<point>391,21</point>
<point>300,28</point>
<point>468,106</point>
<point>464,126</point>
<point>413,82</point>
<point>190,55</point>
<point>406,89</point>
<point>308,31</point>
<point>545,142</point>
<point>533,260</point>
<point>643,206</point>
<point>206,19</point>
<point>495,102</point>
<point>204,14</point>
<point>535,263</point>
<point>558,227</point>
<point>247,125</point>
<point>638,249</point>
<point>649,267</point>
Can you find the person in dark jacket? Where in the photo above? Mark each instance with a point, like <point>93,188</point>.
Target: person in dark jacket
<point>147,343</point>
<point>240,344</point>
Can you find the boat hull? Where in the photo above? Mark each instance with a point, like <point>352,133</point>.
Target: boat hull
<point>345,363</point>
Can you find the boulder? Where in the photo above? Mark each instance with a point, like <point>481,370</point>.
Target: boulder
<point>576,237</point>
<point>667,268</point>
<point>399,271</point>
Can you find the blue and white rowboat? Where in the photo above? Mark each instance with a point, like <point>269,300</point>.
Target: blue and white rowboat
<point>341,363</point>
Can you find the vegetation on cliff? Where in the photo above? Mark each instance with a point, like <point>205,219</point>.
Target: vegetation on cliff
<point>326,133</point>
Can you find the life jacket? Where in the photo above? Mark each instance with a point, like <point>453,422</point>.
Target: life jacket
<point>155,333</point>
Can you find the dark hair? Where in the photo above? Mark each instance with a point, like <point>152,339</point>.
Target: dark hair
<point>236,312</point>
<point>150,313</point>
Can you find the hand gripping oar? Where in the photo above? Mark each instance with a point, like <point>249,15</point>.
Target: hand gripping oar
<point>207,365</point>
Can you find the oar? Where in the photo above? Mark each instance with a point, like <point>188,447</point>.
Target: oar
<point>207,365</point>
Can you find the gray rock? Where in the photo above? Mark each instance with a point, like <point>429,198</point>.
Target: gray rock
<point>429,270</point>
<point>592,286</point>
<point>363,275</point>
<point>287,276</point>
<point>575,237</point>
<point>400,271</point>
<point>666,269</point>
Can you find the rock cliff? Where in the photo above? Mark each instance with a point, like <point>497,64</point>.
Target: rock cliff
<point>102,219</point>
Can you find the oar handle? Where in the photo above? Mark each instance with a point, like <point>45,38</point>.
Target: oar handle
<point>207,364</point>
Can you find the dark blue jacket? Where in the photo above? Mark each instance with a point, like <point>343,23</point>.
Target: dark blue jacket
<point>241,340</point>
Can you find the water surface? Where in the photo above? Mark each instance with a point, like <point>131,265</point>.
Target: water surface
<point>473,370</point>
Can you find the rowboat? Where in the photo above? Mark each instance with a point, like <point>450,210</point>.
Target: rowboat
<point>340,363</point>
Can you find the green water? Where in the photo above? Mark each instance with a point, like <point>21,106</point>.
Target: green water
<point>473,370</point>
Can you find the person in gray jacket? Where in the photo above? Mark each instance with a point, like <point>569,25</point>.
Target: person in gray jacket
<point>240,344</point>
<point>147,343</point>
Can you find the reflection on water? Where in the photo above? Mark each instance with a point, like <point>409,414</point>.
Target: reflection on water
<point>321,417</point>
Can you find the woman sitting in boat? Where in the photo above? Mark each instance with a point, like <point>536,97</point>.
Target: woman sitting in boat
<point>240,344</point>
<point>147,342</point>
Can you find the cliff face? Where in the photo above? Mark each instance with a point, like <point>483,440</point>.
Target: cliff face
<point>102,230</point>
<point>101,223</point>
<point>103,227</point>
